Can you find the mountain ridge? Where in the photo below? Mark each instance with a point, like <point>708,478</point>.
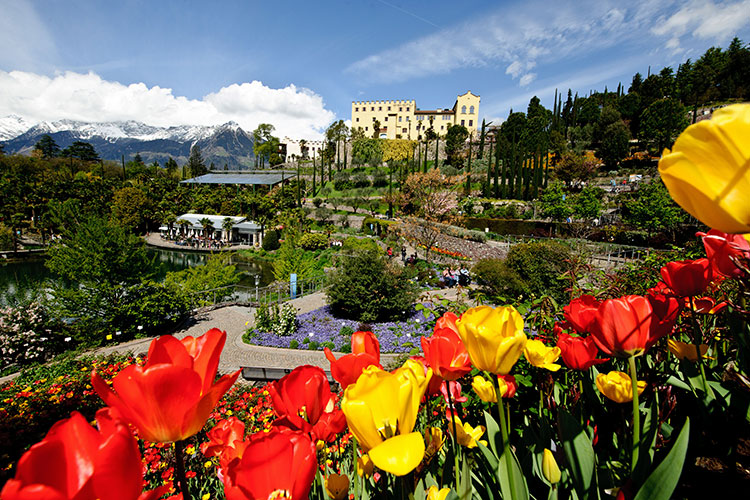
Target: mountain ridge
<point>226,144</point>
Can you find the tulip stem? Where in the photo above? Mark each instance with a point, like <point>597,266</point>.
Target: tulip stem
<point>504,433</point>
<point>698,340</point>
<point>179,449</point>
<point>636,414</point>
<point>455,432</point>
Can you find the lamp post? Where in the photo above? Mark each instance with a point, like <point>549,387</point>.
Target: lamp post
<point>257,283</point>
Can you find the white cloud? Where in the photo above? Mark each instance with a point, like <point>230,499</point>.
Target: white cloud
<point>294,111</point>
<point>527,79</point>
<point>706,20</point>
<point>518,36</point>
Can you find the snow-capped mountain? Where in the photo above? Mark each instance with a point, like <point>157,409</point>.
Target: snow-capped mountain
<point>226,144</point>
<point>12,126</point>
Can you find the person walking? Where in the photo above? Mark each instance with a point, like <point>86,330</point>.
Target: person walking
<point>390,252</point>
<point>403,254</point>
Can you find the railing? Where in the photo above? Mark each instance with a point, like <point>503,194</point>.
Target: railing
<point>246,295</point>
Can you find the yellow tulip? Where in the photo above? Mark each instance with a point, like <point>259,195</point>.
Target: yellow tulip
<point>364,466</point>
<point>485,390</point>
<point>337,486</point>
<point>493,337</point>
<point>686,351</point>
<point>708,170</point>
<point>434,494</point>
<point>466,434</point>
<point>549,467</point>
<point>434,440</point>
<point>381,410</point>
<point>617,386</point>
<point>542,356</point>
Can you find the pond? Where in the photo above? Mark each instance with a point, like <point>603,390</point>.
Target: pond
<point>20,280</point>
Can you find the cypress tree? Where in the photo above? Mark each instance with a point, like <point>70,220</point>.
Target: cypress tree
<point>481,142</point>
<point>487,187</point>
<point>424,168</point>
<point>437,149</point>
<point>497,166</point>
<point>467,191</point>
<point>314,169</point>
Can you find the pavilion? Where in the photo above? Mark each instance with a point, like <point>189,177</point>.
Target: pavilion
<point>241,229</point>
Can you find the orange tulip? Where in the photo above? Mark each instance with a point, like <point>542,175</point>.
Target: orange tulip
<point>446,354</point>
<point>365,352</point>
<point>171,396</point>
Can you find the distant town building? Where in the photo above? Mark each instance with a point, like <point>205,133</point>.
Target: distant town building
<point>294,148</point>
<point>404,120</point>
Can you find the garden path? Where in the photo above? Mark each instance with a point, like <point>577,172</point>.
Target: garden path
<point>235,320</point>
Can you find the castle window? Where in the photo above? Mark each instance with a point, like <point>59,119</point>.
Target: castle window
<point>462,123</point>
<point>400,109</point>
<point>399,118</point>
<point>357,118</point>
<point>389,108</point>
<point>380,108</point>
<point>365,128</point>
<point>386,118</point>
<point>407,118</point>
<point>356,109</point>
<point>471,110</point>
<point>403,130</point>
<point>443,127</point>
<point>463,110</point>
<point>372,108</point>
<point>471,123</point>
<point>407,109</point>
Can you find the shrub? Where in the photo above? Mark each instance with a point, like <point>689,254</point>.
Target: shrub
<point>354,244</point>
<point>379,179</point>
<point>360,180</point>
<point>286,321</point>
<point>313,241</point>
<point>271,240</point>
<point>341,181</point>
<point>6,237</point>
<point>366,287</point>
<point>317,202</point>
<point>499,282</point>
<point>540,266</point>
<point>28,335</point>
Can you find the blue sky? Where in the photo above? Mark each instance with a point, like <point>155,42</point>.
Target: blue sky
<point>299,64</point>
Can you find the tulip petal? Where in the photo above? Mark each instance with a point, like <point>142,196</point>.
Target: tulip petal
<point>399,455</point>
<point>14,490</point>
<point>168,350</point>
<point>206,351</point>
<point>195,418</point>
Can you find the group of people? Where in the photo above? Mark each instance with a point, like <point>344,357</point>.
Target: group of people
<point>453,277</point>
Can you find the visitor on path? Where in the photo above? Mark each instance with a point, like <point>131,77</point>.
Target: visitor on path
<point>463,276</point>
<point>447,277</point>
<point>390,252</point>
<point>403,254</point>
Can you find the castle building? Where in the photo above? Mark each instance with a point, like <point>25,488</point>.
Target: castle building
<point>403,120</point>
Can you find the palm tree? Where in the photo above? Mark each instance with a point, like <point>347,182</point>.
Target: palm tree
<point>169,219</point>
<point>227,225</point>
<point>184,224</point>
<point>208,226</point>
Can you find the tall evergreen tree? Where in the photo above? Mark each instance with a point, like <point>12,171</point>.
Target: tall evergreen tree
<point>195,163</point>
<point>47,147</point>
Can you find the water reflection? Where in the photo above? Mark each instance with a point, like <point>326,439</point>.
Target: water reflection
<point>20,281</point>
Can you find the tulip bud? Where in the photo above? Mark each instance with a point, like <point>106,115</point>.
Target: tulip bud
<point>484,389</point>
<point>549,467</point>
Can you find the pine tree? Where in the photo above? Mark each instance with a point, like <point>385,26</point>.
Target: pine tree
<point>47,147</point>
<point>195,162</point>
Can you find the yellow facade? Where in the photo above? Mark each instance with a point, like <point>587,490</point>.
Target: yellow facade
<point>403,120</point>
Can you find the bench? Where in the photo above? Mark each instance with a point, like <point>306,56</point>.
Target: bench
<point>258,374</point>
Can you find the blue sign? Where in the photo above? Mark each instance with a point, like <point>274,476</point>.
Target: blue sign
<point>293,286</point>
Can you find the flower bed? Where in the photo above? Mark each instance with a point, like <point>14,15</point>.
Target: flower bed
<point>319,328</point>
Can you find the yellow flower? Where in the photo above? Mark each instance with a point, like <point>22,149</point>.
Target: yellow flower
<point>617,386</point>
<point>708,170</point>
<point>434,494</point>
<point>493,337</point>
<point>549,467</point>
<point>542,356</point>
<point>484,389</point>
<point>467,435</point>
<point>364,466</point>
<point>206,496</point>
<point>434,440</point>
<point>381,410</point>
<point>686,351</point>
<point>337,486</point>
<point>208,464</point>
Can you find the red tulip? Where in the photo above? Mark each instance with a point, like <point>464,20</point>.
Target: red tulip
<point>171,396</point>
<point>447,320</point>
<point>276,464</point>
<point>721,248</point>
<point>225,440</point>
<point>666,309</point>
<point>578,353</point>
<point>626,326</point>
<point>446,354</point>
<point>301,398</point>
<point>581,312</point>
<point>510,383</point>
<point>328,426</point>
<point>77,461</point>
<point>366,342</point>
<point>707,305</point>
<point>365,352</point>
<point>687,278</point>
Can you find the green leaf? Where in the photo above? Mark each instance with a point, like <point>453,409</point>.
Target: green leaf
<point>464,488</point>
<point>663,480</point>
<point>493,434</point>
<point>512,482</point>
<point>579,453</point>
<point>648,442</point>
